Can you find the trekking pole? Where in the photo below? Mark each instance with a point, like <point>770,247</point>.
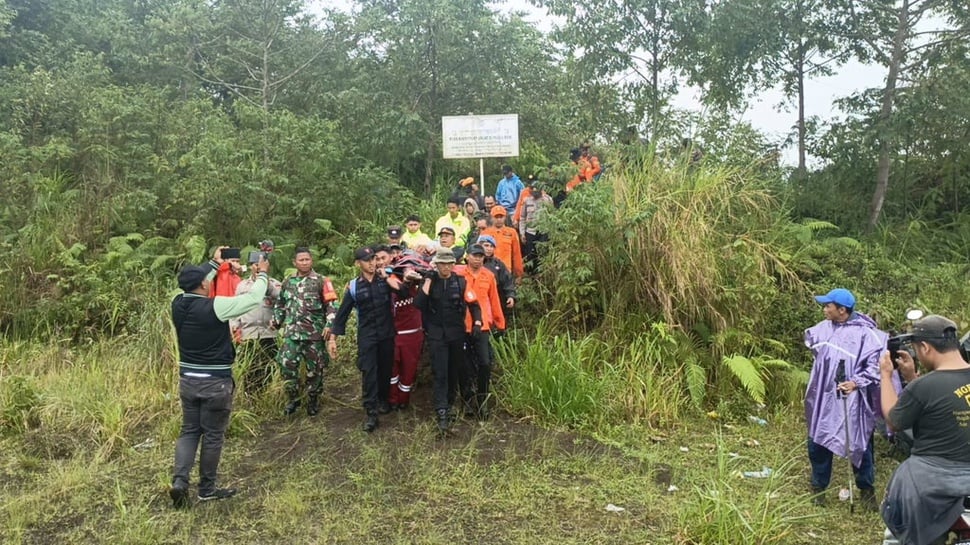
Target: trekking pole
<point>839,379</point>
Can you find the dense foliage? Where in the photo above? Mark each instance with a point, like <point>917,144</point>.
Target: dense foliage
<point>135,135</point>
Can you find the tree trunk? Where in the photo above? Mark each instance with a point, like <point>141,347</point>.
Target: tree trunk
<point>800,67</point>
<point>884,125</point>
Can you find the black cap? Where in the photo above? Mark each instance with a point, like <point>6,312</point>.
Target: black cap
<point>191,277</point>
<point>476,249</point>
<point>394,232</point>
<point>448,230</point>
<point>364,254</point>
<point>934,327</point>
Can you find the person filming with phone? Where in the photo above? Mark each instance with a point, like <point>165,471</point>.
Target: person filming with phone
<point>926,492</point>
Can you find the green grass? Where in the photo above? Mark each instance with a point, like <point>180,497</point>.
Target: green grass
<point>73,475</point>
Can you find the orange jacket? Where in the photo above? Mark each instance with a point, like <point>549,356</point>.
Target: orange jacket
<point>518,206</point>
<point>584,166</point>
<point>507,247</point>
<point>483,284</point>
<point>592,168</point>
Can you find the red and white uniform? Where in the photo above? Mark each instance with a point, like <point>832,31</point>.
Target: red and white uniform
<point>407,347</point>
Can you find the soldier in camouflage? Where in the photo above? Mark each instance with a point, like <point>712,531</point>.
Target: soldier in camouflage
<point>304,311</point>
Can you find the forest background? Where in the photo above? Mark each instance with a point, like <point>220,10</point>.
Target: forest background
<point>137,134</point>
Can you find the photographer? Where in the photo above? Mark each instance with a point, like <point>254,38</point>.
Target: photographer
<point>838,407</point>
<point>925,494</point>
<point>206,355</point>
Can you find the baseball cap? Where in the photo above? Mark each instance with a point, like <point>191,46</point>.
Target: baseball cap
<point>465,182</point>
<point>448,230</point>
<point>839,296</point>
<point>266,245</point>
<point>394,231</point>
<point>364,254</point>
<point>934,326</point>
<point>487,238</point>
<point>476,249</point>
<point>191,277</point>
<point>444,255</point>
<point>499,211</point>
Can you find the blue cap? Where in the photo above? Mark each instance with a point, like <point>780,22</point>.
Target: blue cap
<point>487,238</point>
<point>839,296</point>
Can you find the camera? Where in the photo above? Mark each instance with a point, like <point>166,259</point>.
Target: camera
<point>230,253</point>
<point>255,256</point>
<point>896,344</point>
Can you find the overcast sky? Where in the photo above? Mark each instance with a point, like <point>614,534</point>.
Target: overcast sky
<point>763,112</point>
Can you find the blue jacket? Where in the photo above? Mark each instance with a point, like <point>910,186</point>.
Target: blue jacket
<point>507,192</point>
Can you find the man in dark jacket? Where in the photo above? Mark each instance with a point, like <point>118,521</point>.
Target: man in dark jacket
<point>206,355</point>
<point>445,299</point>
<point>370,293</point>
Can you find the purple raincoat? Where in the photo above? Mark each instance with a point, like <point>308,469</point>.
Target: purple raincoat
<point>859,343</point>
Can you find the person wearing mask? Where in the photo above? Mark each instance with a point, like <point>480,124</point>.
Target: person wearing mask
<point>844,380</point>
<point>925,494</point>
<point>303,311</point>
<point>206,355</point>
<point>444,300</point>
<point>370,293</point>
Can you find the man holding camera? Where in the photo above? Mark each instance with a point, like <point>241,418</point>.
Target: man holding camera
<point>925,494</point>
<point>206,355</point>
<point>838,402</point>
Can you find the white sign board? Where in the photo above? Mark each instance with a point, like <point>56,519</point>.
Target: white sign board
<point>474,136</point>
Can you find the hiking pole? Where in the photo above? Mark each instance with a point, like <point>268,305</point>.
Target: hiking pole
<point>839,379</point>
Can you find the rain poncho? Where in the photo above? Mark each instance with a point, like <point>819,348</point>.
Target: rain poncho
<point>859,344</point>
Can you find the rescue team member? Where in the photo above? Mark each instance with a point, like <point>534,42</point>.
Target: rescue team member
<point>414,238</point>
<point>455,220</point>
<point>504,278</point>
<point>444,300</point>
<point>304,311</point>
<point>206,355</point>
<point>507,246</point>
<point>482,282</point>
<point>370,293</point>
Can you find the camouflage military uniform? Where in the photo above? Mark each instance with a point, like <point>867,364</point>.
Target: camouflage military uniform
<point>304,309</point>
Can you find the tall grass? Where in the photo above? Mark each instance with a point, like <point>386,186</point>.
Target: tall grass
<point>729,509</point>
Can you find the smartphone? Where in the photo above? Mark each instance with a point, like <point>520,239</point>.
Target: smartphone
<point>254,256</point>
<point>230,253</point>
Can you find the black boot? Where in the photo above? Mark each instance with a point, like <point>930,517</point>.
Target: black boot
<point>867,497</point>
<point>444,421</point>
<point>818,496</point>
<point>291,407</point>
<point>312,405</point>
<point>371,423</point>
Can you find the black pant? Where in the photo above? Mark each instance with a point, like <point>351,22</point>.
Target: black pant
<point>478,370</point>
<point>375,360</point>
<point>447,363</point>
<point>206,405</point>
